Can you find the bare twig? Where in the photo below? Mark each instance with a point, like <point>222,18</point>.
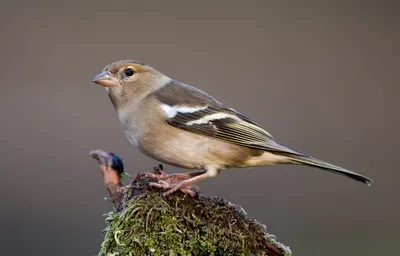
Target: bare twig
<point>110,172</point>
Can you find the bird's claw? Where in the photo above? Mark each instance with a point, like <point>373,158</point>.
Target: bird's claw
<point>171,182</point>
<point>190,190</point>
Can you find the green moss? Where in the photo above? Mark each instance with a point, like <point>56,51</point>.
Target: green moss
<point>148,224</point>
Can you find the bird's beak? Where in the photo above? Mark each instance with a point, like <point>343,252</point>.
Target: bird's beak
<point>105,79</point>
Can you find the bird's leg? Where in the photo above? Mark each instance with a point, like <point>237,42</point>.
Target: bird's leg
<point>165,185</point>
<point>177,177</point>
<point>186,183</point>
<point>171,178</point>
<point>171,181</point>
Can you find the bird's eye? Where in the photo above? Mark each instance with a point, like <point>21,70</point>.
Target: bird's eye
<point>129,72</point>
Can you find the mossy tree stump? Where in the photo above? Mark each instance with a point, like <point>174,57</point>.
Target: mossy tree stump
<point>143,222</point>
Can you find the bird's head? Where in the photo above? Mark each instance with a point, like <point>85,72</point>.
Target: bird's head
<point>128,80</point>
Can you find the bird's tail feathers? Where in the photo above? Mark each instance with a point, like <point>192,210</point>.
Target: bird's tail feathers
<point>310,161</point>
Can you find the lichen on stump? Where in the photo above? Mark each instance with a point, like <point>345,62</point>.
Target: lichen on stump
<point>144,222</point>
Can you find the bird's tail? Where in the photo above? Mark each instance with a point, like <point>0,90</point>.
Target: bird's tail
<point>310,161</point>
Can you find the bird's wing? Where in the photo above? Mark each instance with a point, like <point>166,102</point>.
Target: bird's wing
<point>194,111</point>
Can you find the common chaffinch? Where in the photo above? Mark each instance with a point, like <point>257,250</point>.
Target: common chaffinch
<point>183,126</point>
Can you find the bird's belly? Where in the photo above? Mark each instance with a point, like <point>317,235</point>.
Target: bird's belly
<point>192,151</point>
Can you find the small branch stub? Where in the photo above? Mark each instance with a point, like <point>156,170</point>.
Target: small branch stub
<point>184,223</point>
<point>111,168</point>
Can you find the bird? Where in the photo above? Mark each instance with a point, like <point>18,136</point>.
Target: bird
<point>182,126</point>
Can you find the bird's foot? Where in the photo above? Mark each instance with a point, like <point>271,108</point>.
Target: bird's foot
<point>188,189</point>
<point>173,182</point>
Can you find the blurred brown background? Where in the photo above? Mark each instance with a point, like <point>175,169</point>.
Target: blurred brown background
<point>323,78</point>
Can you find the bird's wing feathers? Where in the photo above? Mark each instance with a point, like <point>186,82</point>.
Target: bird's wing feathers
<point>194,111</point>
<point>227,125</point>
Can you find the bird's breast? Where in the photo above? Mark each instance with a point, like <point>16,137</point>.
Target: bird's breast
<point>130,125</point>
